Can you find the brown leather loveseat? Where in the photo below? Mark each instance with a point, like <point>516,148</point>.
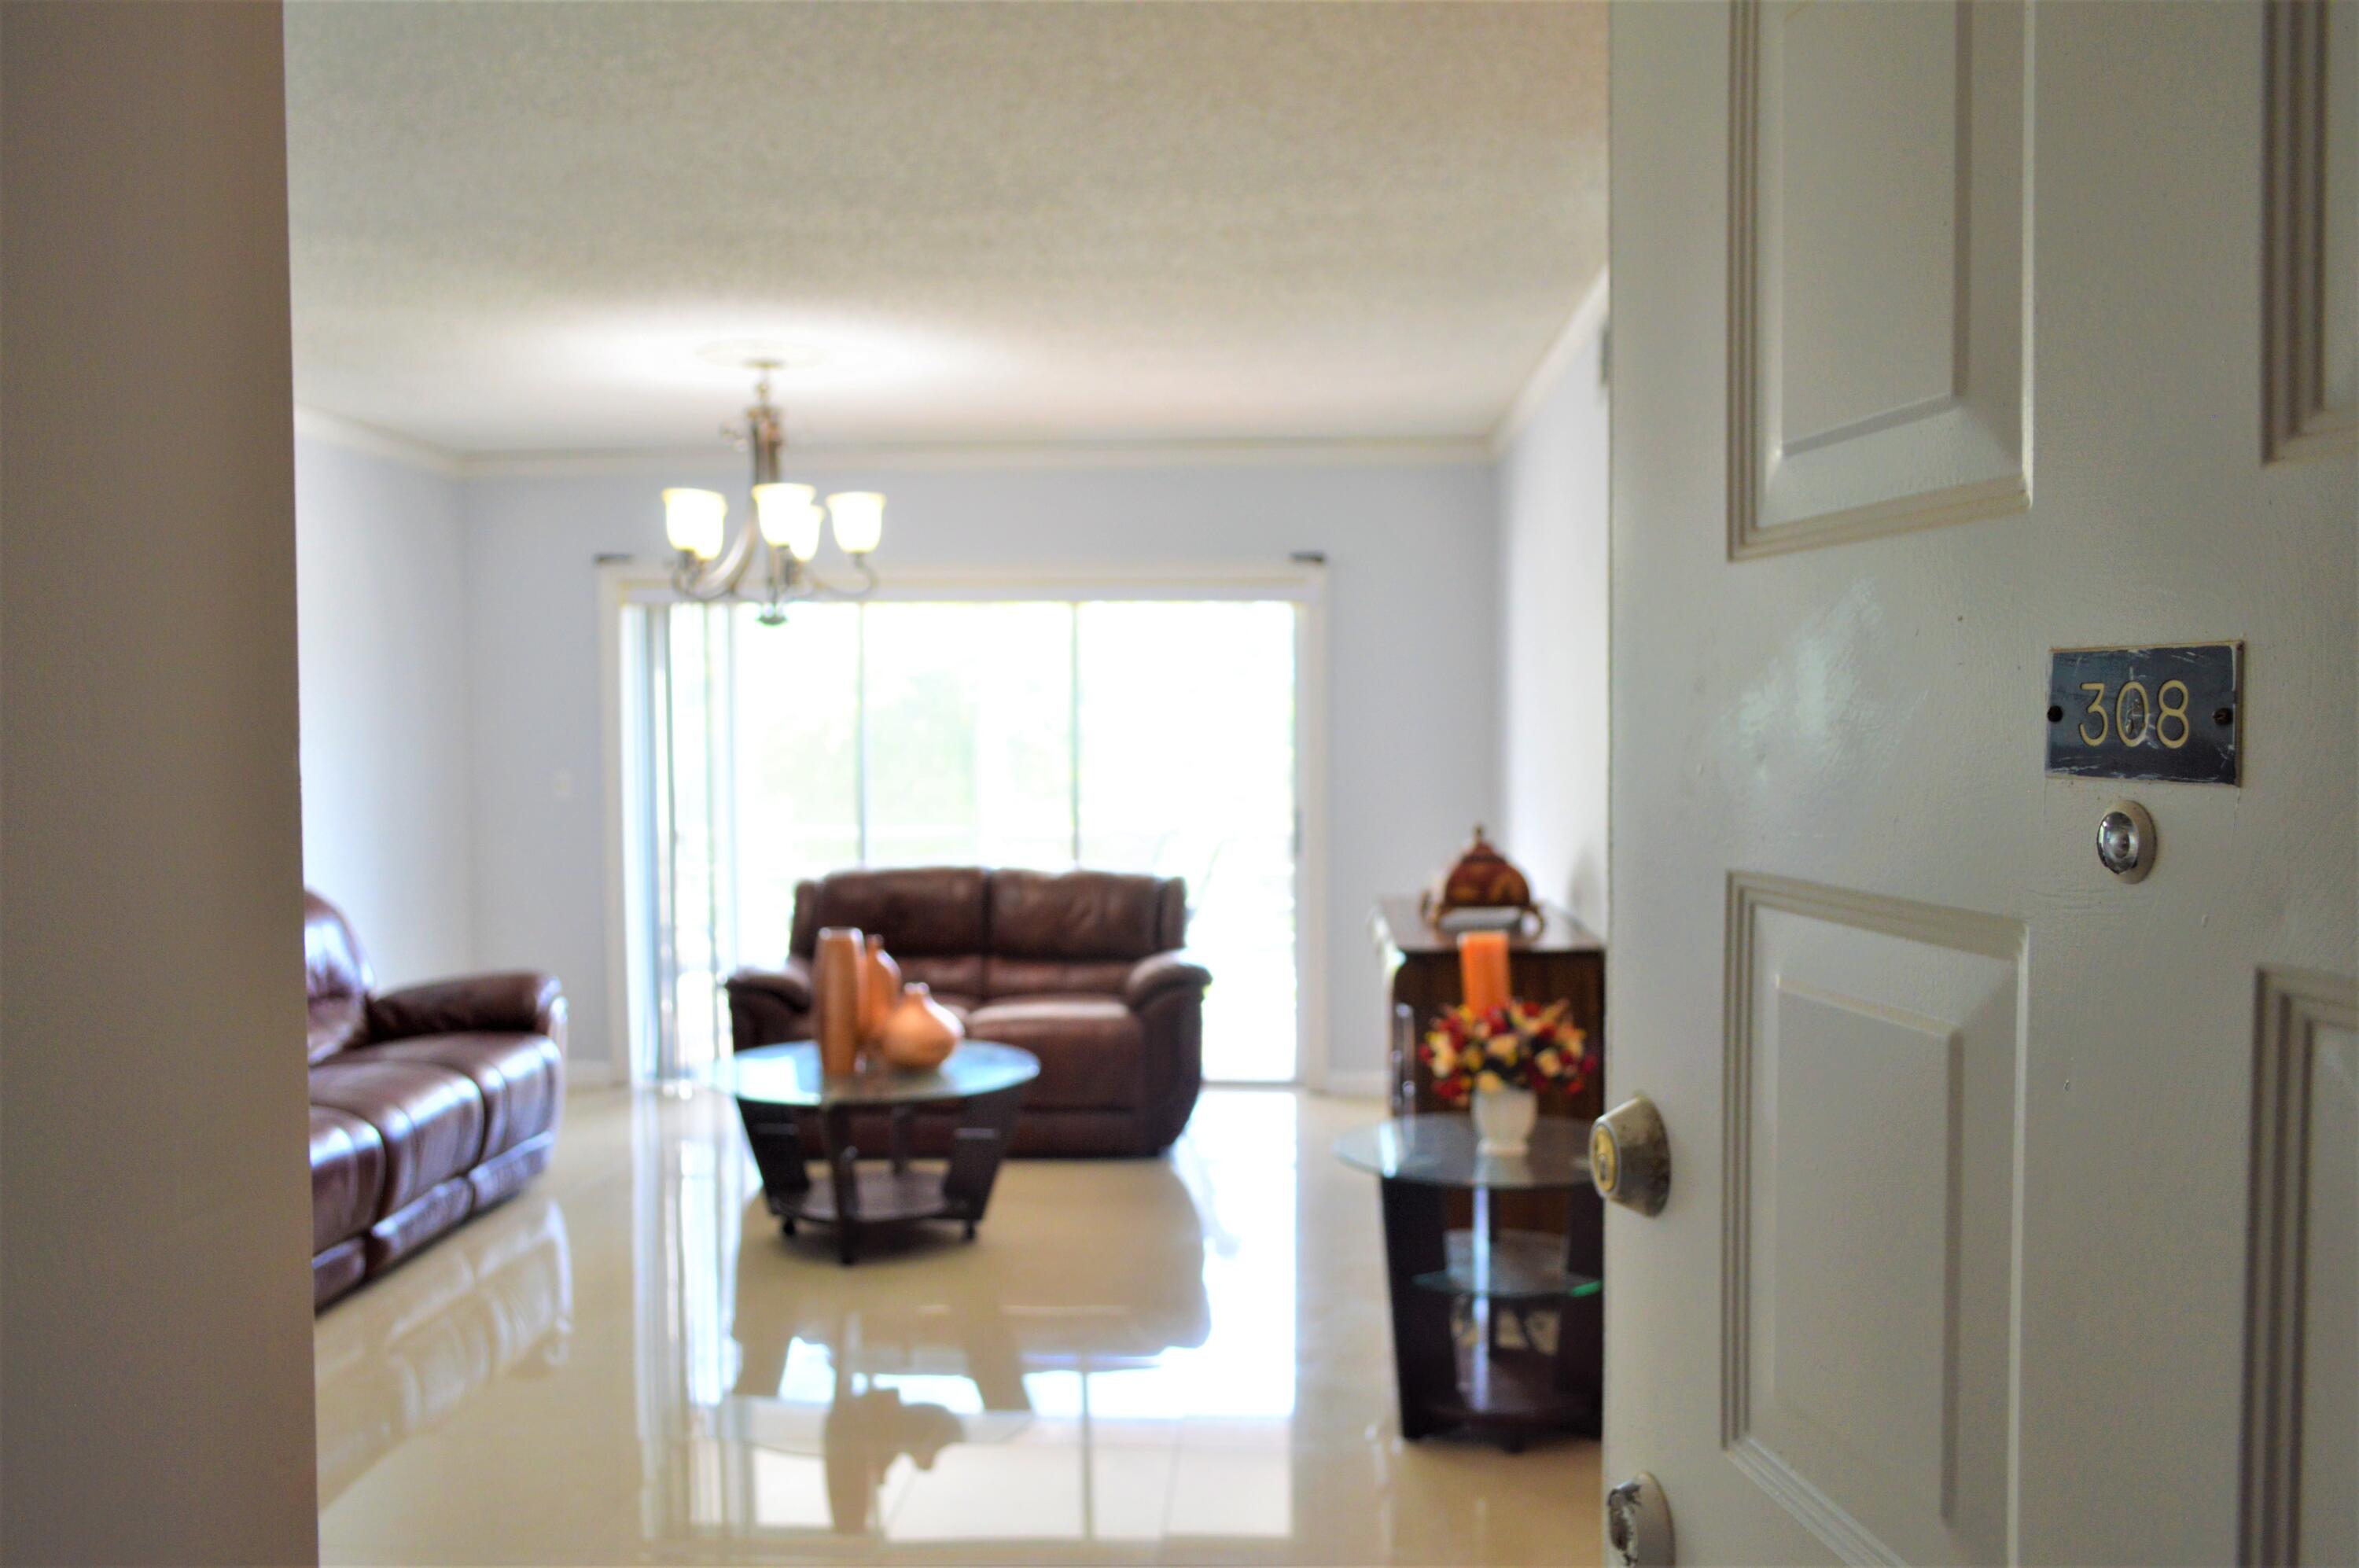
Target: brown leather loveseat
<point>1084,969</point>
<point>427,1104</point>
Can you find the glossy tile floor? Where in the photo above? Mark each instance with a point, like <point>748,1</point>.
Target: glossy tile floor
<point>1167,1361</point>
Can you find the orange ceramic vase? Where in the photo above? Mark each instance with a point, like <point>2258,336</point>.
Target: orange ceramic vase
<point>839,997</point>
<point>920,1032</point>
<point>880,990</point>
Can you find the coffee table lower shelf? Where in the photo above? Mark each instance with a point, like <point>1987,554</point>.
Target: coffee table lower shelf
<point>853,1195</point>
<point>882,1196</point>
<point>1517,1394</point>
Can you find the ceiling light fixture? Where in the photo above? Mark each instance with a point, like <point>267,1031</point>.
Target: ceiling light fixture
<point>783,526</point>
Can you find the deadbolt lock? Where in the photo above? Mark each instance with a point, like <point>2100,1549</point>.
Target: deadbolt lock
<point>1630,1157</point>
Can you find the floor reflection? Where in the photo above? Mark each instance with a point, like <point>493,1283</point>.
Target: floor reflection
<point>488,1302</point>
<point>1136,1361</point>
<point>1034,1386</point>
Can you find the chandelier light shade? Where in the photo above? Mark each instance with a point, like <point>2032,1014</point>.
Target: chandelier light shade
<point>859,520</point>
<point>782,527</point>
<point>694,520</point>
<point>789,519</point>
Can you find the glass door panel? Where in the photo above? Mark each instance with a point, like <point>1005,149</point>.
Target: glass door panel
<point>1186,769</point>
<point>970,714</point>
<point>1154,737</point>
<point>798,737</point>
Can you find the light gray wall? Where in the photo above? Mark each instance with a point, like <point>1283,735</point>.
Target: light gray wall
<point>155,1368</point>
<point>1553,646</point>
<point>1413,655</point>
<point>381,569</point>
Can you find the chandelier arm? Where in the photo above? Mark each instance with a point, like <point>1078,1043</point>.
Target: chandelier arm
<point>821,588</point>
<point>702,587</point>
<point>731,566</point>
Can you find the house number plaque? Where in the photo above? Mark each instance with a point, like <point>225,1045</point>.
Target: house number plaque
<point>2145,712</point>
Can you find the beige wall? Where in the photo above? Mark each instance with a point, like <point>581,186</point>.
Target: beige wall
<point>155,1298</point>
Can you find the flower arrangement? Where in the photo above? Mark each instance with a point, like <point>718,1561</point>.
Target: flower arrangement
<point>1517,1046</point>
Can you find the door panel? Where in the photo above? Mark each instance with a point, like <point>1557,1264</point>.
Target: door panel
<point>2310,257</point>
<point>1871,1077</point>
<point>2330,1305</point>
<point>1953,1266</point>
<point>2301,1399</point>
<point>1877,269</point>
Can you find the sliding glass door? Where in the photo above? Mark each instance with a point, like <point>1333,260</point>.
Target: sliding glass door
<point>1148,736</point>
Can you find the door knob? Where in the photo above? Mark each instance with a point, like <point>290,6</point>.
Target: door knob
<point>1630,1157</point>
<point>1638,1523</point>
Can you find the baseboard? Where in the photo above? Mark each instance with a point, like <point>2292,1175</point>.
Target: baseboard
<point>1368,1085</point>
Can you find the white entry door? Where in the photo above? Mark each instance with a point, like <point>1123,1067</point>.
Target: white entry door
<point>1946,336</point>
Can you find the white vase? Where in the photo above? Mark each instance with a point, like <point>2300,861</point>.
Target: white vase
<point>1503,1119</point>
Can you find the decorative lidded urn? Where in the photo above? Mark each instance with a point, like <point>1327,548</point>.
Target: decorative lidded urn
<point>1481,878</point>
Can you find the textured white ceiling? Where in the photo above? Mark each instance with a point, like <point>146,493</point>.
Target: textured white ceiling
<point>523,226</point>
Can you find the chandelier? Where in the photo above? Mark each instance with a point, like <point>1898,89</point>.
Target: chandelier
<point>782,529</point>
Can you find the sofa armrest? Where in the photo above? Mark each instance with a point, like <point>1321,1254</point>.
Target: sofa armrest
<point>1165,991</point>
<point>768,1006</point>
<point>791,984</point>
<point>524,1001</point>
<point>1160,975</point>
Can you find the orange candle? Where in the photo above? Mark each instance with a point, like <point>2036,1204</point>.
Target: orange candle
<point>1483,969</point>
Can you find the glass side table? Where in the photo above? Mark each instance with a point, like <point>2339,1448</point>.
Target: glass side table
<point>1494,1330</point>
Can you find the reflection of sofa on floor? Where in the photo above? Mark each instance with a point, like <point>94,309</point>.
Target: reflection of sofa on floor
<point>495,1300</point>
<point>1085,970</point>
<point>427,1104</point>
<point>1107,1298</point>
<point>1110,1295</point>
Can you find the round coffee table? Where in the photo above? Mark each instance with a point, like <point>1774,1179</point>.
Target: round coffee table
<point>778,1086</point>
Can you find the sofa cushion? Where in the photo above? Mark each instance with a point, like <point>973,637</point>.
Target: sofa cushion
<point>430,1118</point>
<point>1092,1053</point>
<point>949,975</point>
<point>337,1270</point>
<point>1055,978</point>
<point>513,1001</point>
<point>1075,915</point>
<point>407,1228</point>
<point>335,978</point>
<point>347,1176</point>
<point>502,1176</point>
<point>918,910</point>
<point>519,1075</point>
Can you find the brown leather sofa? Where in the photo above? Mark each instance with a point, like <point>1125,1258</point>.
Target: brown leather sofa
<point>1085,970</point>
<point>427,1104</point>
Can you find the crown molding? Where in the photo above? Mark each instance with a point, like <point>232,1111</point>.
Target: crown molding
<point>318,424</point>
<point>1587,317</point>
<point>656,462</point>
